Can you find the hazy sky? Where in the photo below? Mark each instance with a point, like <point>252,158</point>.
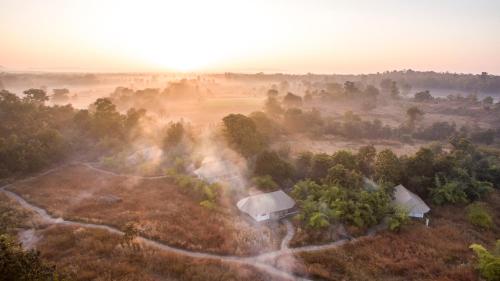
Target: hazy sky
<point>270,36</point>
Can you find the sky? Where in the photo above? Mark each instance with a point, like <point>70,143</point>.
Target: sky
<point>289,36</point>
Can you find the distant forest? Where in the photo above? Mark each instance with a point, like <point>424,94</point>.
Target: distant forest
<point>468,83</point>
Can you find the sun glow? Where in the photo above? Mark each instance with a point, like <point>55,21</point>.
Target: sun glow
<point>177,60</point>
<point>259,35</point>
<point>173,35</point>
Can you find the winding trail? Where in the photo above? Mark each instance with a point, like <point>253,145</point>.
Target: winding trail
<point>259,261</point>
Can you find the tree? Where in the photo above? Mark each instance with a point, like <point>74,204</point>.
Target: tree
<point>266,126</point>
<point>303,165</point>
<point>390,87</point>
<point>423,96</point>
<point>366,156</point>
<point>339,175</point>
<point>488,100</point>
<point>371,92</point>
<point>174,135</point>
<point>272,93</point>
<point>358,208</point>
<point>241,133</point>
<point>350,88</point>
<point>272,106</point>
<point>448,192</point>
<point>320,164</point>
<point>388,167</point>
<point>414,114</point>
<point>265,183</point>
<point>17,264</point>
<point>420,171</point>
<point>394,90</point>
<point>133,117</point>
<point>345,158</point>
<point>36,96</point>
<point>60,95</point>
<point>106,119</point>
<point>291,100</point>
<point>437,131</point>
<point>306,189</point>
<point>270,163</point>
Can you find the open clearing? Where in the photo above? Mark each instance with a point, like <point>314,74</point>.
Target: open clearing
<point>158,208</point>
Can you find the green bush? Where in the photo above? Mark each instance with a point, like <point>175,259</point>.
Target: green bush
<point>398,219</point>
<point>479,216</point>
<point>265,183</point>
<point>208,204</point>
<point>448,192</point>
<point>197,188</point>
<point>17,264</point>
<point>488,263</point>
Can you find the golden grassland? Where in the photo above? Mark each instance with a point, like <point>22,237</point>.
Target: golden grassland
<point>159,209</point>
<point>82,254</point>
<point>90,254</point>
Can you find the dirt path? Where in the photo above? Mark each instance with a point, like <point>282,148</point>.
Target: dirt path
<point>92,167</point>
<point>290,232</point>
<point>252,261</point>
<point>258,261</point>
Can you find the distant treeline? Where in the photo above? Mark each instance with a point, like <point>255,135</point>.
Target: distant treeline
<point>482,83</point>
<point>57,79</point>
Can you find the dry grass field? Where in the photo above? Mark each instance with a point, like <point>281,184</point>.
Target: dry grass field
<point>89,254</point>
<point>158,208</point>
<point>82,254</point>
<point>439,252</point>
